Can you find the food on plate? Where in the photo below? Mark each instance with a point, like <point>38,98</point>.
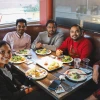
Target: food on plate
<point>74,75</point>
<point>49,63</point>
<point>66,59</point>
<point>46,63</point>
<point>23,51</point>
<point>17,58</point>
<point>36,73</point>
<point>53,65</point>
<point>42,51</point>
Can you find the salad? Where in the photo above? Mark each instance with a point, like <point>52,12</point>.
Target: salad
<point>23,51</point>
<point>17,58</point>
<point>66,59</point>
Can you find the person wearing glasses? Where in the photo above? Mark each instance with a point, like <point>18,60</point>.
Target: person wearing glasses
<point>18,39</point>
<point>50,39</point>
<point>76,45</point>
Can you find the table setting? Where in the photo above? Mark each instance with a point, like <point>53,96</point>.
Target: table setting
<point>42,67</point>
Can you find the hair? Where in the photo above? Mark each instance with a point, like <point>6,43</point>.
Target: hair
<point>51,21</point>
<point>2,43</point>
<point>21,20</point>
<point>76,25</point>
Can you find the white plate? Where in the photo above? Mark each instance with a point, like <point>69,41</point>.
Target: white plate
<point>70,76</point>
<point>23,59</point>
<point>40,72</point>
<point>62,57</point>
<point>46,53</point>
<point>23,53</point>
<point>49,63</point>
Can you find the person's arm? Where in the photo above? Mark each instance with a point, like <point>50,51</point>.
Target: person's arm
<point>38,39</point>
<point>6,94</point>
<point>96,73</point>
<point>62,47</point>
<point>56,44</point>
<point>29,43</point>
<point>86,50</point>
<point>12,69</point>
<point>96,68</point>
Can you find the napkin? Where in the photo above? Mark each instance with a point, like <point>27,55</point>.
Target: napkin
<point>60,89</point>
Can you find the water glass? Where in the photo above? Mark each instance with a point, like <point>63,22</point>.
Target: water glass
<point>77,62</point>
<point>85,62</point>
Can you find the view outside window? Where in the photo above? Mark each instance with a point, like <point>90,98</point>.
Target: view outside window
<point>10,10</point>
<point>86,10</point>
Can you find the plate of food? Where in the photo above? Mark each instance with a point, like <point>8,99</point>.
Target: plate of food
<point>49,63</point>
<point>17,59</point>
<point>65,59</point>
<point>76,75</point>
<point>36,73</point>
<point>43,51</point>
<point>23,52</point>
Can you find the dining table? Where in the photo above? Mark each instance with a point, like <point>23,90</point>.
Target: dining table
<point>68,85</point>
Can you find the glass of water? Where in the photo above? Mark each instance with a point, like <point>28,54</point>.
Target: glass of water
<point>85,62</point>
<point>77,62</point>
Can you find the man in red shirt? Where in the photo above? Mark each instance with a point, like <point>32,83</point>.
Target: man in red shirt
<point>76,45</point>
<point>96,78</point>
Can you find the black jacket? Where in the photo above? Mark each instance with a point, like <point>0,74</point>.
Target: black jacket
<point>8,91</point>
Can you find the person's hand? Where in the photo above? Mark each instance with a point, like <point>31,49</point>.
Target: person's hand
<point>95,73</point>
<point>28,90</point>
<point>39,45</point>
<point>59,52</point>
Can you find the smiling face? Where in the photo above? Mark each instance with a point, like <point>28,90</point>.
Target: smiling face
<point>51,28</point>
<point>5,54</point>
<point>21,28</point>
<point>75,33</point>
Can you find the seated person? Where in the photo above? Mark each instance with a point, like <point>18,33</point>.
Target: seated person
<point>50,39</point>
<point>18,39</point>
<point>76,45</point>
<point>8,83</point>
<point>96,78</point>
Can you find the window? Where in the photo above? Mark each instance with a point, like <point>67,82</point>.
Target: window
<point>10,10</point>
<point>84,10</point>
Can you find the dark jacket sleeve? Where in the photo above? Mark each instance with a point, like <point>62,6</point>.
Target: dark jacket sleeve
<point>6,94</point>
<point>11,67</point>
<point>97,63</point>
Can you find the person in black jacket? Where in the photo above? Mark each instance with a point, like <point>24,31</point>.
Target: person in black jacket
<point>96,79</point>
<point>8,84</point>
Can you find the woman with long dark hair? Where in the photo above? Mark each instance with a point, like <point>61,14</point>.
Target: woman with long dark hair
<point>9,85</point>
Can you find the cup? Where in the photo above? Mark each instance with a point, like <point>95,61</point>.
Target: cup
<point>85,62</point>
<point>77,62</point>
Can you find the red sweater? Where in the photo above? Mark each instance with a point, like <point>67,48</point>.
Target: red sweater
<point>77,49</point>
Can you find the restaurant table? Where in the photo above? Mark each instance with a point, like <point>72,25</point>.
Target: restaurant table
<point>68,85</point>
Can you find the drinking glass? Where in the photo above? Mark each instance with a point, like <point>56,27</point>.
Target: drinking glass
<point>77,62</point>
<point>85,62</point>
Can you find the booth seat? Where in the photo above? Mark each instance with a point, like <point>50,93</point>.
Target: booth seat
<point>33,31</point>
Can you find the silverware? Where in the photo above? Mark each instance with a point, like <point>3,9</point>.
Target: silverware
<point>66,74</point>
<point>82,74</point>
